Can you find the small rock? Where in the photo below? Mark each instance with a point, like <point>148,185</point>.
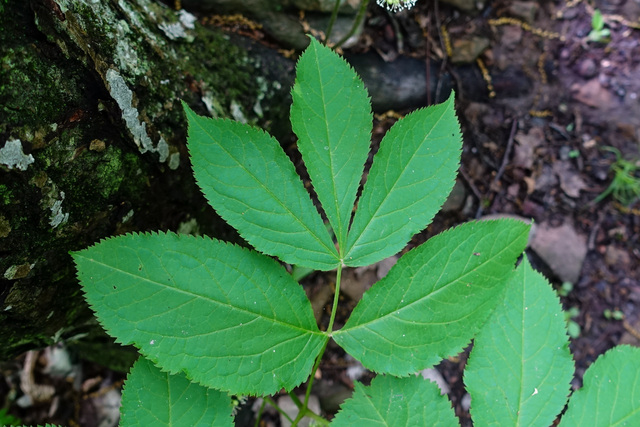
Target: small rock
<point>385,265</point>
<point>562,249</point>
<point>436,377</point>
<point>355,371</point>
<point>331,395</point>
<point>467,50</point>
<point>592,94</point>
<point>455,201</point>
<point>587,68</point>
<point>465,402</point>
<point>355,282</point>
<point>616,257</point>
<point>525,10</point>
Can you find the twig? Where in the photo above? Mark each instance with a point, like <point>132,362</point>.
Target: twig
<point>633,331</point>
<point>507,153</point>
<point>474,190</point>
<point>443,65</point>
<point>361,13</point>
<point>332,21</point>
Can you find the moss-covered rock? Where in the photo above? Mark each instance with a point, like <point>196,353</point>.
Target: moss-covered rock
<point>91,106</point>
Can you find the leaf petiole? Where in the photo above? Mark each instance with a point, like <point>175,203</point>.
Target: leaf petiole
<point>304,410</point>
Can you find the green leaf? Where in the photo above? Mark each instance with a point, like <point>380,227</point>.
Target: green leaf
<point>228,317</point>
<point>411,177</point>
<point>155,398</point>
<point>520,369</point>
<point>391,401</point>
<point>434,299</point>
<point>253,185</point>
<point>597,21</point>
<point>331,115</point>
<point>611,392</point>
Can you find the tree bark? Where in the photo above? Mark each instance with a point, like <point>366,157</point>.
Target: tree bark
<point>92,142</point>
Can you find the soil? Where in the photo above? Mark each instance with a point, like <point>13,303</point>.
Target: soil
<point>534,145</point>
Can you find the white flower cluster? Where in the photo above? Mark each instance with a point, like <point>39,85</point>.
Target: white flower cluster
<point>396,5</point>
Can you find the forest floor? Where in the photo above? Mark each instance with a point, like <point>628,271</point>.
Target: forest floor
<point>556,113</point>
<point>546,146</point>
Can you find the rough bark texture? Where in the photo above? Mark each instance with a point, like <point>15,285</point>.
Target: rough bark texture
<point>92,142</point>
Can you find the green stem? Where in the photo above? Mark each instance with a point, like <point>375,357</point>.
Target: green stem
<point>336,297</point>
<point>361,13</point>
<point>295,399</point>
<point>275,405</point>
<point>334,310</point>
<point>259,415</point>
<point>334,16</point>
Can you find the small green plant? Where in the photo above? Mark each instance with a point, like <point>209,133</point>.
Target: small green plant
<point>565,289</point>
<point>573,328</point>
<point>7,419</point>
<point>625,186</point>
<point>599,33</point>
<point>215,320</point>
<point>613,314</point>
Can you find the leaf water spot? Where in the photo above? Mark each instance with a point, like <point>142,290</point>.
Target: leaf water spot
<point>326,148</point>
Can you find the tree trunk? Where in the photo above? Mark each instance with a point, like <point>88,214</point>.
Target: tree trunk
<point>92,138</point>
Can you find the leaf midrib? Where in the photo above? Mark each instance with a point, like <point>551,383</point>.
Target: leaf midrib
<point>195,295</point>
<point>340,226</point>
<point>330,250</point>
<point>419,300</point>
<point>353,246</point>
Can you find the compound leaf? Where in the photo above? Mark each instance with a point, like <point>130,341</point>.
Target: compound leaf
<point>434,300</point>
<point>520,369</point>
<point>228,317</point>
<point>331,115</point>
<point>155,398</point>
<point>411,177</point>
<point>611,392</point>
<point>391,401</point>
<point>253,185</point>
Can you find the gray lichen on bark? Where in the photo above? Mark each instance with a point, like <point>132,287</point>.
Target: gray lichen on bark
<point>91,90</point>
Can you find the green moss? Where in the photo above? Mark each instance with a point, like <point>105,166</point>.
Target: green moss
<point>5,194</point>
<point>27,75</point>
